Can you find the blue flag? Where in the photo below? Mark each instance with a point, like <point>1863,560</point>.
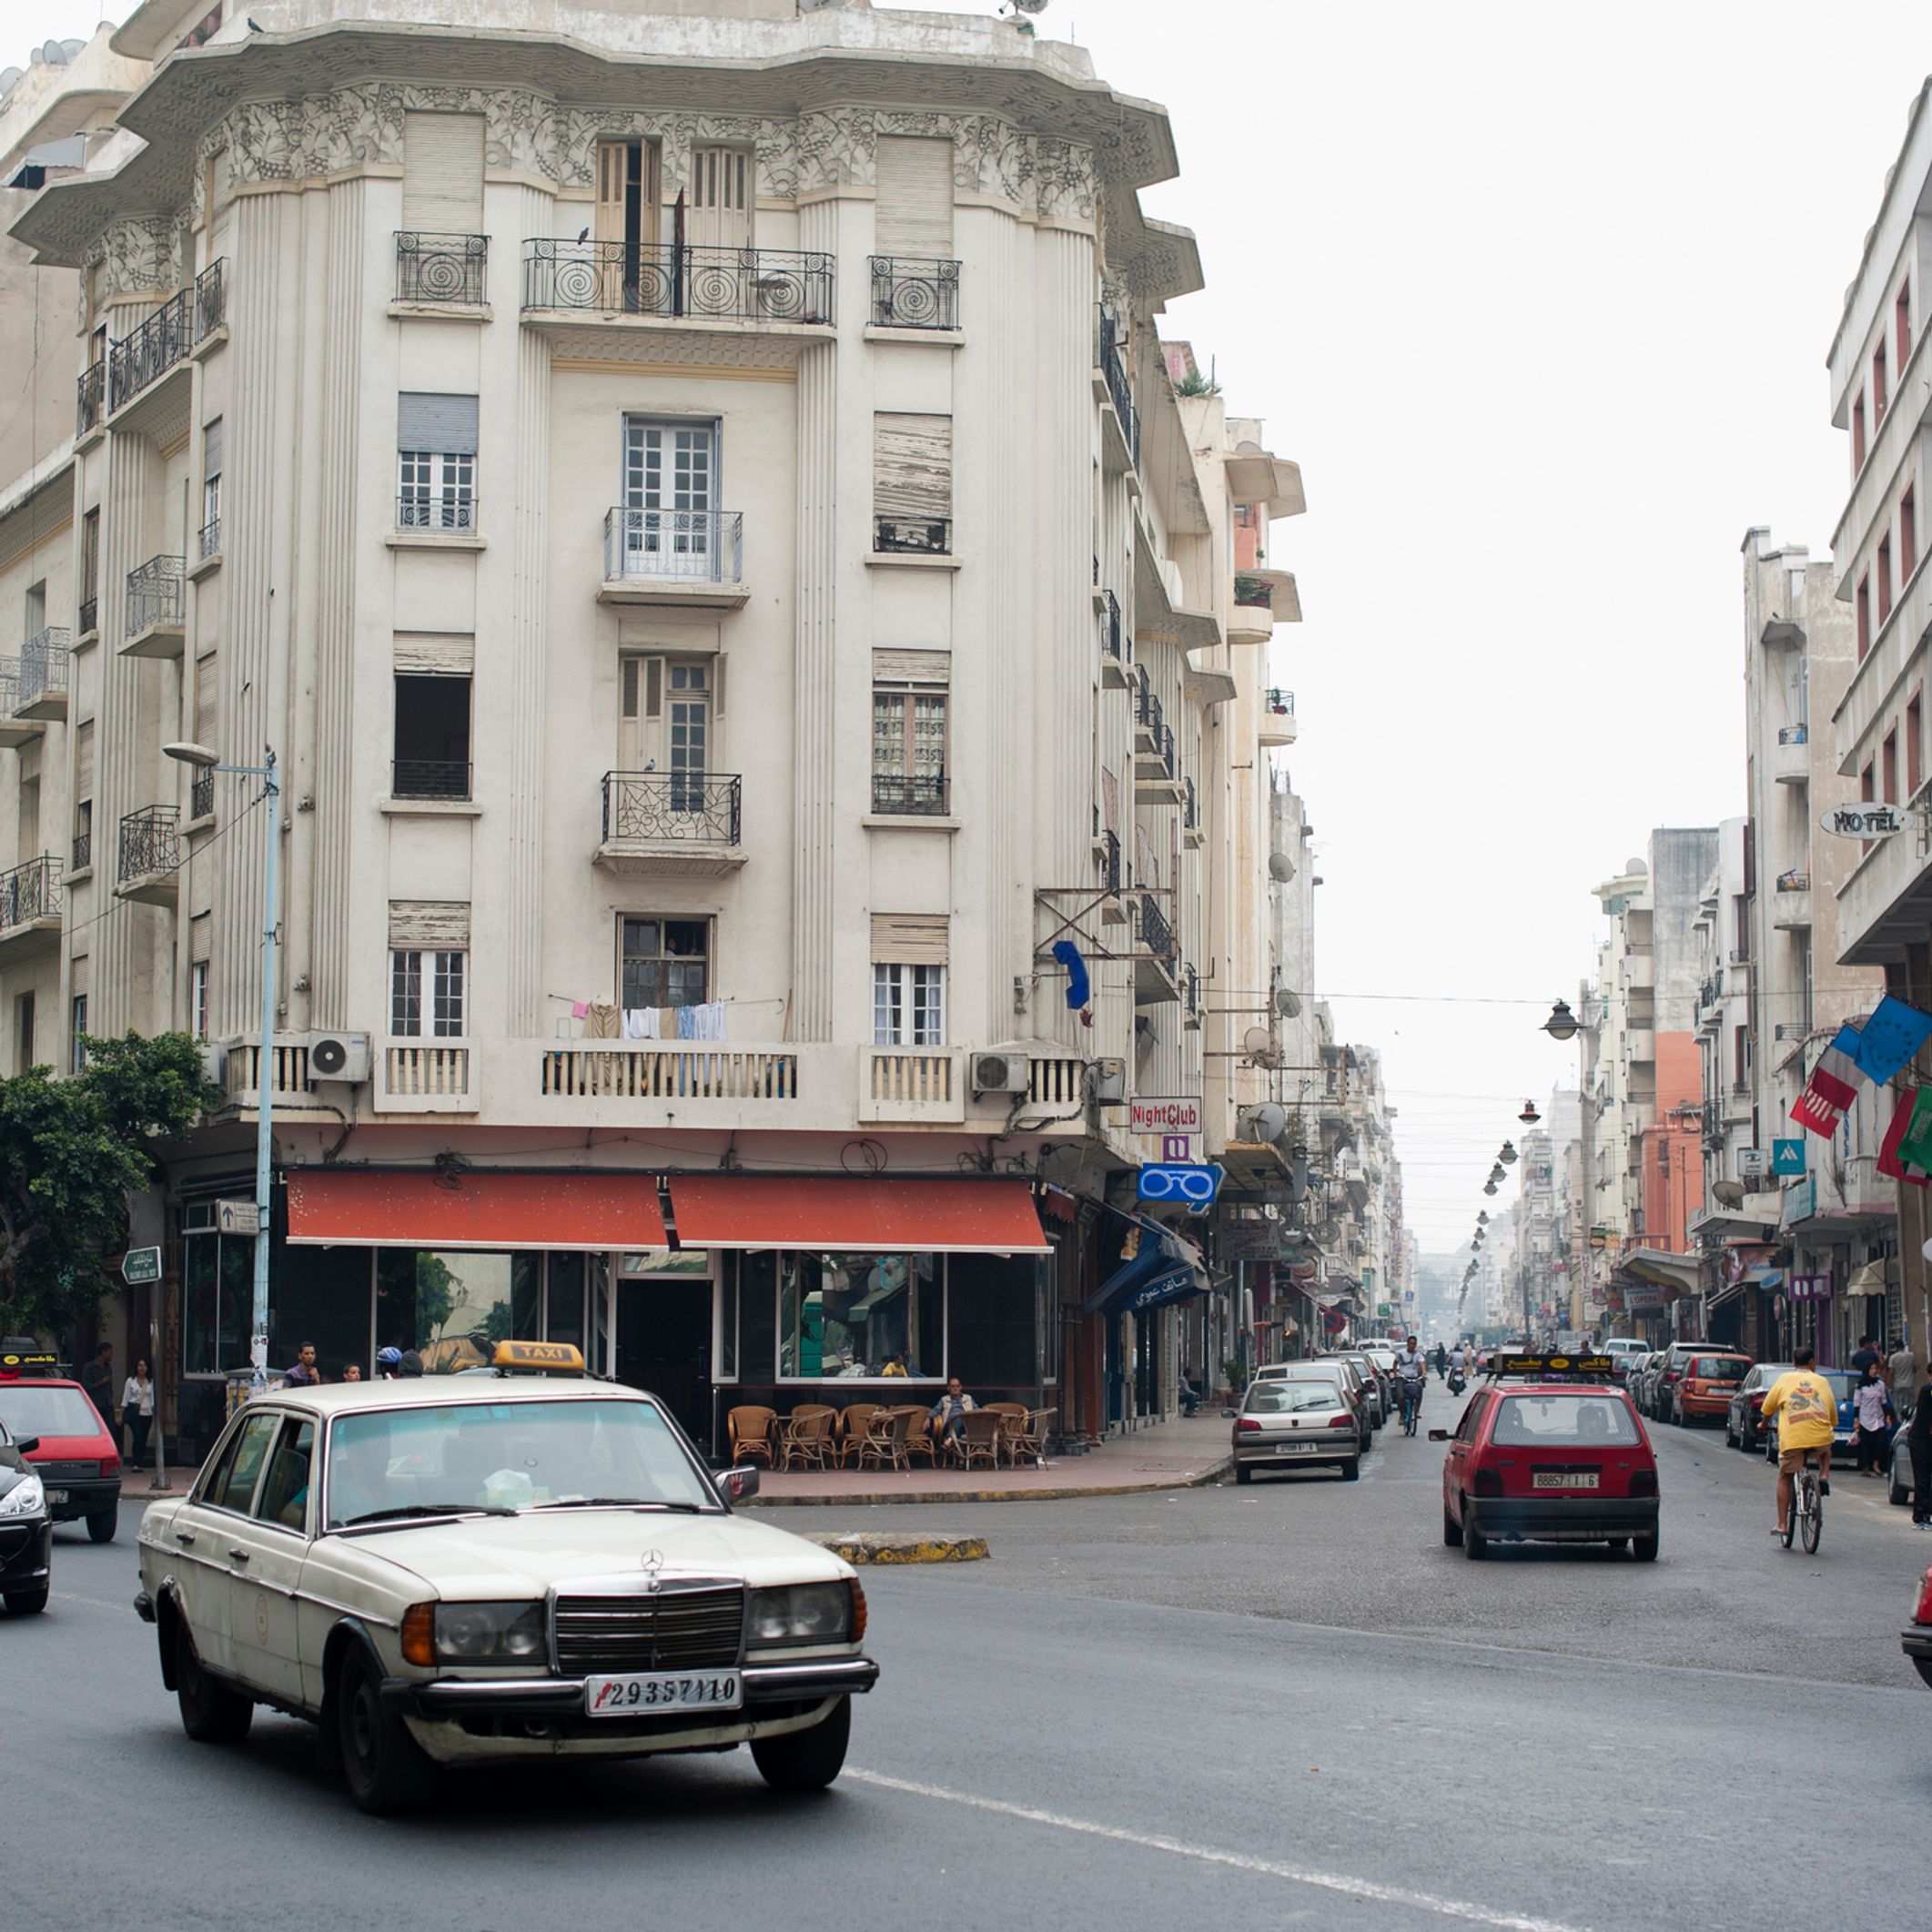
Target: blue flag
<point>1889,1039</point>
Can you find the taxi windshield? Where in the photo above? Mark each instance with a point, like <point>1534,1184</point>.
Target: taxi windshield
<point>30,1412</point>
<point>506,1456</point>
<point>1564,1422</point>
<point>1280,1396</point>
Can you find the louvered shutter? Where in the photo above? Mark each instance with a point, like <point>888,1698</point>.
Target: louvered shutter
<point>653,686</point>
<point>435,653</point>
<point>613,162</point>
<point>82,974</point>
<point>908,938</point>
<point>446,424</point>
<point>912,667</point>
<point>721,197</point>
<point>211,450</point>
<point>914,212</point>
<point>442,173</point>
<point>200,929</point>
<point>207,702</point>
<point>84,761</point>
<point>912,467</point>
<point>439,923</point>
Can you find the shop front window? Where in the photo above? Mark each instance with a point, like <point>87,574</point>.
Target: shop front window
<point>860,1315</point>
<point>453,1307</point>
<point>217,1300</point>
<point>998,1321</point>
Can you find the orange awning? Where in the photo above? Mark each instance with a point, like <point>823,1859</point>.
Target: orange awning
<point>357,1208</point>
<point>940,1217</point>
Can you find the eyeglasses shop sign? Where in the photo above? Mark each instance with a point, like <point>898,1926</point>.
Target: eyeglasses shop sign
<point>1863,821</point>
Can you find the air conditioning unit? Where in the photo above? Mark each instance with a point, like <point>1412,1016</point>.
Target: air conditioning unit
<point>339,1057</point>
<point>215,1063</point>
<point>1000,1073</point>
<point>1109,1081</point>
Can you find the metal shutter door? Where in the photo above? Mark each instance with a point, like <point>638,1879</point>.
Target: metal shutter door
<point>912,467</point>
<point>914,212</point>
<point>446,424</point>
<point>442,173</point>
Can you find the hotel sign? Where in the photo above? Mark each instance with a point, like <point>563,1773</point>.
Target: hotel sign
<point>1863,821</point>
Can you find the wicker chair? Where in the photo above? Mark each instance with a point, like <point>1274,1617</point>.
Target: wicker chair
<point>806,1438</point>
<point>1027,1441</point>
<point>977,1442</point>
<point>1016,1415</point>
<point>883,1446</point>
<point>750,1429</point>
<point>920,1440</point>
<point>854,1420</point>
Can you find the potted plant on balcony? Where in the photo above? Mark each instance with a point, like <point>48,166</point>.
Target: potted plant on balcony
<point>1253,592</point>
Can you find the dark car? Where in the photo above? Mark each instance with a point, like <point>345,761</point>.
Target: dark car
<point>75,1456</point>
<point>1672,1368</point>
<point>1743,1427</point>
<point>1845,1434</point>
<point>26,1530</point>
<point>1549,1461</point>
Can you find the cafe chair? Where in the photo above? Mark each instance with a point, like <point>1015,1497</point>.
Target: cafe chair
<point>750,1429</point>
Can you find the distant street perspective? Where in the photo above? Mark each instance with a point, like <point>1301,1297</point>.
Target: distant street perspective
<point>963,966</point>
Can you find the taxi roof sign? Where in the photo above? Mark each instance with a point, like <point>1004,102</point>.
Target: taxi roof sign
<point>537,1357</point>
<point>29,1361</point>
<point>1561,1366</point>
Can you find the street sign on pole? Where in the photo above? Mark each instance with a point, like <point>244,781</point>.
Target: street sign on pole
<point>243,1218</point>
<point>141,1265</point>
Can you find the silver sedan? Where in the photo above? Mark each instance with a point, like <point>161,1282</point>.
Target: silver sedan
<point>1291,1422</point>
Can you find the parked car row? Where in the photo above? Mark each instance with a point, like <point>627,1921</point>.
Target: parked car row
<point>1318,1413</point>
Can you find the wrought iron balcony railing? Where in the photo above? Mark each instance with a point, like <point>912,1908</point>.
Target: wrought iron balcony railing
<point>927,536</point>
<point>446,506</point>
<point>442,268</point>
<point>43,661</point>
<point>82,851</point>
<point>211,299</point>
<point>201,796</point>
<point>1281,703</point>
<point>429,778</point>
<point>675,279</point>
<point>694,546</point>
<point>1111,862</point>
<point>150,843</point>
<point>1156,935</point>
<point>30,891</point>
<point>1148,712</point>
<point>1794,881</point>
<point>691,807</point>
<point>1164,747</point>
<point>1110,644</point>
<point>90,398</point>
<point>149,352</point>
<point>915,292</point>
<point>1793,734</point>
<point>89,615</point>
<point>155,593</point>
<point>209,541</point>
<point>1113,368</point>
<point>1191,811</point>
<point>895,792</point>
<point>1191,991</point>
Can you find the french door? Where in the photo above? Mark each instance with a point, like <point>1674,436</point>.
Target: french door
<point>671,499</point>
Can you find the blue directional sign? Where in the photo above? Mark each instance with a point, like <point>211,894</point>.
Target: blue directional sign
<point>1182,1184</point>
<point>1788,1156</point>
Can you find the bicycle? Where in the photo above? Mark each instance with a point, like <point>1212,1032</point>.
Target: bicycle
<point>1806,1519</point>
<point>1412,1407</point>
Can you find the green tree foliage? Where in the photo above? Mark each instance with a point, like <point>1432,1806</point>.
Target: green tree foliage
<point>71,1152</point>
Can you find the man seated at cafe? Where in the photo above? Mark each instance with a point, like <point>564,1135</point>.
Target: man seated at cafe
<point>952,1409</point>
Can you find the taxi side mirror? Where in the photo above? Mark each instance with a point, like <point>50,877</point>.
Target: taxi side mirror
<point>1438,1435</point>
<point>739,1485</point>
<point>26,1445</point>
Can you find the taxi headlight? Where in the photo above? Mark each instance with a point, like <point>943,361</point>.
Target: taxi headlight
<point>803,1613</point>
<point>488,1632</point>
<point>26,1498</point>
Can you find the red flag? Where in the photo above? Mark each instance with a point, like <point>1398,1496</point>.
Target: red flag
<point>1888,1161</point>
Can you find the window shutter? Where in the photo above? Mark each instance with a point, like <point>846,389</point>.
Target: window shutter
<point>446,424</point>
<point>211,448</point>
<point>914,212</point>
<point>717,687</point>
<point>442,173</point>
<point>653,686</point>
<point>630,676</point>
<point>435,653</point>
<point>908,938</point>
<point>84,761</point>
<point>208,700</point>
<point>441,925</point>
<point>912,667</point>
<point>82,976</point>
<point>912,467</point>
<point>612,162</point>
<point>199,929</point>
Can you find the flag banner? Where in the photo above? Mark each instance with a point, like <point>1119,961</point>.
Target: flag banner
<point>1837,1073</point>
<point>1890,1161</point>
<point>1815,1114</point>
<point>1914,1146</point>
<point>1893,1034</point>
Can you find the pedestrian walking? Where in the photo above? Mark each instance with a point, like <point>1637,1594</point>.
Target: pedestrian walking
<point>1864,1355</point>
<point>137,1413</point>
<point>305,1373</point>
<point>1871,1409</point>
<point>1899,1372</point>
<point>1918,1439</point>
<point>96,1378</point>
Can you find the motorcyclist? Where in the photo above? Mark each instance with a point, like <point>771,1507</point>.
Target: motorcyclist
<point>1411,1370</point>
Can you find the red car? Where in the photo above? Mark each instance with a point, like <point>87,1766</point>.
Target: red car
<point>77,1459</point>
<point>1551,1449</point>
<point>1917,1641</point>
<point>1707,1386</point>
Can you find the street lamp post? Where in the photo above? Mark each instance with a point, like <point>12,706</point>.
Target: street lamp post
<point>203,759</point>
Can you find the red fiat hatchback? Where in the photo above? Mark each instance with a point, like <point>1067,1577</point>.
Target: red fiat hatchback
<point>1551,1449</point>
<point>77,1458</point>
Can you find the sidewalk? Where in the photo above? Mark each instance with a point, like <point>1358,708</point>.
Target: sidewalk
<point>1180,1454</point>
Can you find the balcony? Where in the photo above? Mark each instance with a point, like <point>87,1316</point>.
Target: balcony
<point>201,796</point>
<point>208,544</point>
<point>915,292</point>
<point>291,1089</point>
<point>669,1070</point>
<point>150,855</point>
<point>83,858</point>
<point>424,1077</point>
<point>440,272</point>
<point>1190,999</point>
<point>30,910</point>
<point>910,795</point>
<point>45,658</point>
<point>445,510</point>
<point>912,536</point>
<point>1252,620</point>
<point>1192,834</point>
<point>155,620</point>
<point>911,1083</point>
<point>674,824</point>
<point>429,778</point>
<point>1156,776</point>
<point>88,616</point>
<point>687,558</point>
<point>167,337</point>
<point>90,399</point>
<point>1277,718</point>
<point>661,283</point>
<point>1791,901</point>
<point>1120,426</point>
<point>13,732</point>
<point>1113,641</point>
<point>1790,759</point>
<point>1157,958</point>
<point>1640,1045</point>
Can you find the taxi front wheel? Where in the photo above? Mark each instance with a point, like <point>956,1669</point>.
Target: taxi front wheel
<point>806,1760</point>
<point>211,1713</point>
<point>384,1767</point>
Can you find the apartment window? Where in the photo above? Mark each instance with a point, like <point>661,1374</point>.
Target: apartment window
<point>211,489</point>
<point>912,483</point>
<point>197,1000</point>
<point>1907,536</point>
<point>1740,1058</point>
<point>1878,388</point>
<point>664,961</point>
<point>1868,785</point>
<point>1902,320</point>
<point>1858,435</point>
<point>1914,748</point>
<point>1884,577</point>
<point>90,571</point>
<point>23,1032</point>
<point>672,524</point>
<point>1864,602</point>
<point>908,747</point>
<point>436,436</point>
<point>427,987</point>
<point>431,747</point>
<point>77,1034</point>
<point>908,1004</point>
<point>36,608</point>
<point>1888,767</point>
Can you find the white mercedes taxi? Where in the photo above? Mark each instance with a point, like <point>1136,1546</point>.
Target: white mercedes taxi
<point>481,1567</point>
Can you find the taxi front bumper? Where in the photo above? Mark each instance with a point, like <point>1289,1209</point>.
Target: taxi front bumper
<point>1563,1518</point>
<point>440,1699</point>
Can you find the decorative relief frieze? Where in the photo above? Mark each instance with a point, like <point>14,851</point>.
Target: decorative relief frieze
<point>134,257</point>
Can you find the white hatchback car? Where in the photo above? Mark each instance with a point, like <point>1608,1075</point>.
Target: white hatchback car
<point>472,1569</point>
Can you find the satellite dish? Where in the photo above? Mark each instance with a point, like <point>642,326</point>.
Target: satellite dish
<point>1288,1005</point>
<point>1031,7</point>
<point>1730,1193</point>
<point>1265,1122</point>
<point>53,54</point>
<point>1257,1040</point>
<point>1280,867</point>
<point>8,76</point>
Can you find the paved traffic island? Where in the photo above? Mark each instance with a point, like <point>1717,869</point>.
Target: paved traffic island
<point>900,1546</point>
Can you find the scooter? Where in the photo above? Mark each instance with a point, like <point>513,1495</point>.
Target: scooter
<point>1456,1383</point>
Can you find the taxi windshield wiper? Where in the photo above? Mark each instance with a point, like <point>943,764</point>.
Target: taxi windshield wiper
<point>417,1511</point>
<point>620,1502</point>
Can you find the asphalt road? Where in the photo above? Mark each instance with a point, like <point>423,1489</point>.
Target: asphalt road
<point>1287,1704</point>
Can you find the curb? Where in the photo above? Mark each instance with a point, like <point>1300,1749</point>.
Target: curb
<point>850,1500</point>
<point>915,1546</point>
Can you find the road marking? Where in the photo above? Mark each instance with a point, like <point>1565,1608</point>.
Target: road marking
<point>1361,1888</point>
<point>94,1602</point>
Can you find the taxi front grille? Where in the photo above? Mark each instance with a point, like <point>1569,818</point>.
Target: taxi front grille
<point>700,1629</point>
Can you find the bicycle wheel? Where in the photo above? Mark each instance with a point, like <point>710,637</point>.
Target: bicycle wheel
<point>1812,1522</point>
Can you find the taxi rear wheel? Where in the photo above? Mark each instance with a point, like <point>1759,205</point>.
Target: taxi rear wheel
<point>806,1760</point>
<point>1475,1544</point>
<point>1452,1530</point>
<point>1644,1548</point>
<point>211,1713</point>
<point>384,1767</point>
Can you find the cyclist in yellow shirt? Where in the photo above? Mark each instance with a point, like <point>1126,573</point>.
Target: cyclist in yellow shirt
<point>1810,1407</point>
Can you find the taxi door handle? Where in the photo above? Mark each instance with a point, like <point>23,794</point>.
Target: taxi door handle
<point>239,1556</point>
<point>184,1536</point>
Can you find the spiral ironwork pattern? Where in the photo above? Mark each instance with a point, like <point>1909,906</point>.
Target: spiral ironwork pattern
<point>673,279</point>
<point>442,269</point>
<point>910,292</point>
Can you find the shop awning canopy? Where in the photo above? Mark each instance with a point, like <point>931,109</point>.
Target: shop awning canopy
<point>1664,1268</point>
<point>1166,1268</point>
<point>863,1217</point>
<point>366,1208</point>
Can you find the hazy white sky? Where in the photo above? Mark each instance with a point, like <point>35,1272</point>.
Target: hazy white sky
<point>1539,299</point>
